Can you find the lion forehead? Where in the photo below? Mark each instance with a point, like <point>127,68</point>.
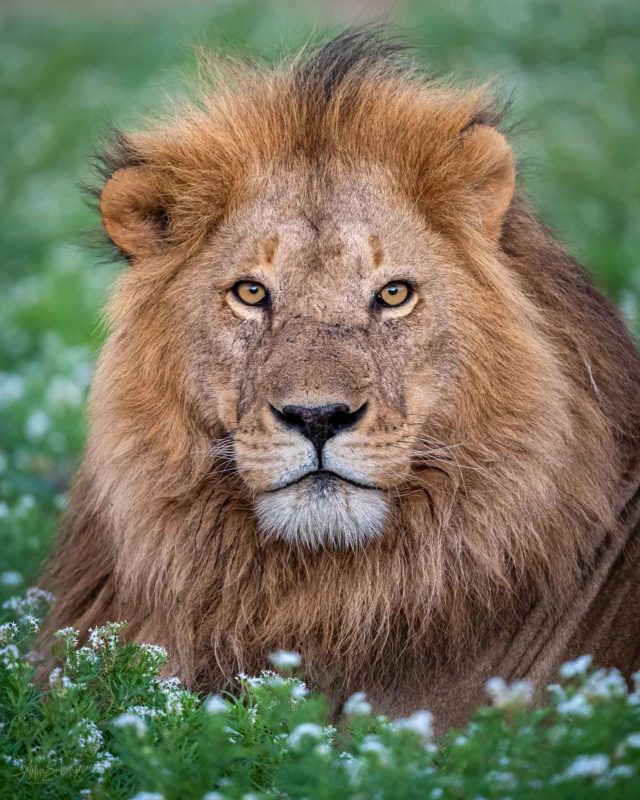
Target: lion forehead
<point>352,227</point>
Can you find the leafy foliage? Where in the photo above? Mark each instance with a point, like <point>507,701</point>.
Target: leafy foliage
<point>106,725</point>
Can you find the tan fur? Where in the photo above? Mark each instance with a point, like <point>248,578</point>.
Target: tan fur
<point>502,420</point>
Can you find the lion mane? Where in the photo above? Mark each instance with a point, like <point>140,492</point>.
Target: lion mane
<point>508,552</point>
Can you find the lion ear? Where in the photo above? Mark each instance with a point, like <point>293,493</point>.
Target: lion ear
<point>492,178</point>
<point>134,211</point>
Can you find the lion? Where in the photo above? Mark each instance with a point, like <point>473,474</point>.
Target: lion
<point>356,401</point>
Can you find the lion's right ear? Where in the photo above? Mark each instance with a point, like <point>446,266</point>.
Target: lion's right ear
<point>491,175</point>
<point>134,211</point>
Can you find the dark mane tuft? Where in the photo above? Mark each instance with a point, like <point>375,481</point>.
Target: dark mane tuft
<point>356,53</point>
<point>117,153</point>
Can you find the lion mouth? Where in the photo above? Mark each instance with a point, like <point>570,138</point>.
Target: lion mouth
<point>326,509</point>
<point>323,479</point>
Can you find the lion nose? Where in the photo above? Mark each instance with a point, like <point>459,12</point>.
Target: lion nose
<point>319,423</point>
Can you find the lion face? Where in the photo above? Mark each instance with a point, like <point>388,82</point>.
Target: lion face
<point>326,317</point>
<point>324,376</point>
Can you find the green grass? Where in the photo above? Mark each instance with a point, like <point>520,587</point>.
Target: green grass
<point>70,71</point>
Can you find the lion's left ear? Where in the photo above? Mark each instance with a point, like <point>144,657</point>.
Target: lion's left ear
<point>135,212</point>
<point>491,175</point>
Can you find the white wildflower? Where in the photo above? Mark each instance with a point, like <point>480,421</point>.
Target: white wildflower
<point>145,711</point>
<point>502,780</point>
<point>4,513</point>
<point>174,704</point>
<point>89,735</point>
<point>169,686</point>
<point>515,695</point>
<point>10,578</point>
<point>12,388</point>
<point>9,655</point>
<point>571,669</point>
<point>32,601</point>
<point>85,656</point>
<point>105,761</point>
<point>12,604</point>
<point>622,771</point>
<point>352,765</point>
<point>633,741</point>
<point>436,793</point>
<point>129,720</point>
<point>171,683</point>
<point>305,729</point>
<point>587,767</point>
<point>157,654</point>
<point>215,704</point>
<point>106,637</point>
<point>298,690</point>
<point>372,744</point>
<point>233,736</point>
<point>7,631</point>
<point>330,732</point>
<point>59,681</point>
<point>213,796</point>
<point>148,796</point>
<point>15,762</point>
<point>69,635</point>
<point>40,595</point>
<point>32,622</point>
<point>285,660</point>
<point>37,425</point>
<point>357,705</point>
<point>605,684</point>
<point>576,706</point>
<point>267,677</point>
<point>420,723</point>
<point>95,638</point>
<point>26,503</point>
<point>557,692</point>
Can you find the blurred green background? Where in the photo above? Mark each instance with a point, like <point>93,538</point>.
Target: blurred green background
<point>68,71</point>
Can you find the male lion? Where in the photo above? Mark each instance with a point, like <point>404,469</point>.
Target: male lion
<point>356,402</point>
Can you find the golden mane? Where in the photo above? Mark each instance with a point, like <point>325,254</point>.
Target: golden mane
<point>157,536</point>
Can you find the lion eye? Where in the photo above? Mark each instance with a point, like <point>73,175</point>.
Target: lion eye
<point>394,294</point>
<point>250,293</point>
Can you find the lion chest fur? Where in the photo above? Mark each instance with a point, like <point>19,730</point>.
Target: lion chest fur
<point>414,495</point>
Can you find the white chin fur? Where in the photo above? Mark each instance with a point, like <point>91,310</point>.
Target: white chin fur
<point>315,516</point>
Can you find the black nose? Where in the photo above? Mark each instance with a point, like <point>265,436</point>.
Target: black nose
<point>319,423</point>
